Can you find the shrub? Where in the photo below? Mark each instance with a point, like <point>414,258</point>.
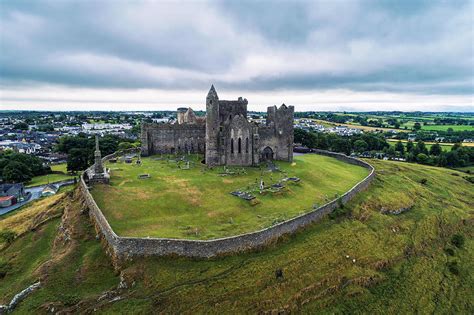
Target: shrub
<point>469,179</point>
<point>449,251</point>
<point>7,236</point>
<point>457,240</point>
<point>453,267</point>
<point>423,181</point>
<point>5,267</point>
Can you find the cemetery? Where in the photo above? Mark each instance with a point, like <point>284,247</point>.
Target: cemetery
<point>183,198</point>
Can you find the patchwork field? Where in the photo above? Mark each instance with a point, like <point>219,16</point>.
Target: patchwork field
<point>196,203</point>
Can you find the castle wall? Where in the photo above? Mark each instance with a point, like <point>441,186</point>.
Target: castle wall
<point>129,247</point>
<point>173,138</point>
<point>230,109</point>
<point>238,147</point>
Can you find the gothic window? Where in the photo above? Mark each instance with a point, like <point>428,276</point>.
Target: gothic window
<point>231,145</point>
<point>230,117</point>
<point>247,145</point>
<point>240,145</point>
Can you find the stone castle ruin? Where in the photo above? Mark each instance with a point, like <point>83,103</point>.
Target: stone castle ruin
<point>225,136</point>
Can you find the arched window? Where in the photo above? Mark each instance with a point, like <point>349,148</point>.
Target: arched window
<point>231,145</point>
<point>230,117</point>
<point>247,145</point>
<point>240,145</point>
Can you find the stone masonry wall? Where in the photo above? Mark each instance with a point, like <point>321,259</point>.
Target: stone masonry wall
<point>125,247</point>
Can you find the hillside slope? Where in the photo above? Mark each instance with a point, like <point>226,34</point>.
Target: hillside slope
<point>365,259</point>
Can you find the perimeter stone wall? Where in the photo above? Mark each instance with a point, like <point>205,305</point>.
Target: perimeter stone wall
<point>129,247</point>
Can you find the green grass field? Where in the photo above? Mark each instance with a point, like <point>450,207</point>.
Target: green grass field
<point>197,204</point>
<point>446,127</point>
<point>60,174</point>
<point>439,127</point>
<point>398,264</point>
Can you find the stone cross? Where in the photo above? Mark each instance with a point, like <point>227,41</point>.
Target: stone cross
<point>98,168</point>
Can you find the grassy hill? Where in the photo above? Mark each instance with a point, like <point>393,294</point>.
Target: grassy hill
<point>362,260</point>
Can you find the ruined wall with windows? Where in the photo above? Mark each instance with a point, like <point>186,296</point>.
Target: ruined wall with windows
<point>172,138</point>
<point>225,136</point>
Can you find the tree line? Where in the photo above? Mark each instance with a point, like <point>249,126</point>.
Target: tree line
<point>80,149</point>
<point>19,167</point>
<point>457,156</point>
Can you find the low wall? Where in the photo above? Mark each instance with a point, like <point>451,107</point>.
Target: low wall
<point>133,246</point>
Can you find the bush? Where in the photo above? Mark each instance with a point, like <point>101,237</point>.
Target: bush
<point>7,236</point>
<point>453,267</point>
<point>5,267</point>
<point>457,240</point>
<point>449,251</point>
<point>469,179</point>
<point>423,181</point>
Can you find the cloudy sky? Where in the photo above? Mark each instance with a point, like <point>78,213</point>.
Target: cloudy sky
<point>317,55</point>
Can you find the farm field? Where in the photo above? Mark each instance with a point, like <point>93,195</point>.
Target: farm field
<point>197,204</point>
<point>60,174</point>
<point>407,121</point>
<point>356,126</point>
<point>399,264</point>
<point>432,127</point>
<point>444,146</point>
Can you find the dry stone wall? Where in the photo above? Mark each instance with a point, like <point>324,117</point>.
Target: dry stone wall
<point>128,247</point>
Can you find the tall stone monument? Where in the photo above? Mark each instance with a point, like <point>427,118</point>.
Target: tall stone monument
<point>98,167</point>
<point>98,173</point>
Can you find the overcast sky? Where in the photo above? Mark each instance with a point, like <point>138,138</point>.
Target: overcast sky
<point>316,55</point>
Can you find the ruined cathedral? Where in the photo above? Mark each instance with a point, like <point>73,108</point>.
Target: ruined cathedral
<point>225,136</point>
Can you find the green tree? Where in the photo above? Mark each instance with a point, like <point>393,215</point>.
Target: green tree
<point>456,146</point>
<point>421,147</point>
<point>435,149</point>
<point>360,146</point>
<point>422,158</point>
<point>417,126</point>
<point>21,126</point>
<point>16,172</point>
<point>410,146</point>
<point>124,146</point>
<point>77,160</point>
<point>390,151</point>
<point>400,147</point>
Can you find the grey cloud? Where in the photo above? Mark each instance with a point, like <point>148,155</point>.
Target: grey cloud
<point>422,46</point>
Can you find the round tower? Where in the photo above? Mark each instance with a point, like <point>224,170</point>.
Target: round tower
<point>212,127</point>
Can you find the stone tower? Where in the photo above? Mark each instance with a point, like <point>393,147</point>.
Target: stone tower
<point>98,167</point>
<point>212,127</point>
